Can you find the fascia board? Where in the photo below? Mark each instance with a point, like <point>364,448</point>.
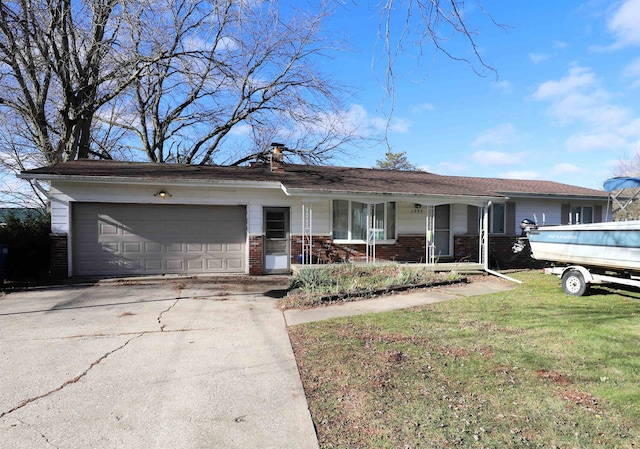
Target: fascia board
<point>154,181</point>
<point>555,196</point>
<point>409,197</point>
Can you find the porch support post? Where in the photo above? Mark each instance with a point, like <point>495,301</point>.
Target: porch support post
<point>307,234</point>
<point>485,247</point>
<point>429,241</point>
<point>485,236</point>
<point>371,234</point>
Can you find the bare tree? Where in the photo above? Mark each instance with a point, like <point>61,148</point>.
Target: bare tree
<point>235,71</point>
<point>61,60</point>
<point>627,167</point>
<point>186,81</point>
<point>416,28</point>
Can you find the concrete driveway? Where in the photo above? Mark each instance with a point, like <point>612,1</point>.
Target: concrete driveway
<point>177,364</point>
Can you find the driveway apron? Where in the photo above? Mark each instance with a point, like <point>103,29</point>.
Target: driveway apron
<point>175,364</point>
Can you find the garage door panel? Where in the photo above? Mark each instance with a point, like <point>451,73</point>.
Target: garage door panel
<point>123,239</point>
<point>214,264</point>
<point>235,263</point>
<point>214,247</point>
<point>234,247</point>
<point>152,247</point>
<point>195,264</point>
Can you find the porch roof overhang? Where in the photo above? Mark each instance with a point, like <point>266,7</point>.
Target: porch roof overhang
<point>311,195</point>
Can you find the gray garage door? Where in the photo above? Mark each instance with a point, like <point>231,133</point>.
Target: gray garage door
<point>121,239</point>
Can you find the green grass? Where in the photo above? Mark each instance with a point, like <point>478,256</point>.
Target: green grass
<point>531,367</point>
<point>344,282</point>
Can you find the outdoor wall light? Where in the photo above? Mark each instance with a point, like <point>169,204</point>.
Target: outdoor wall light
<point>163,194</point>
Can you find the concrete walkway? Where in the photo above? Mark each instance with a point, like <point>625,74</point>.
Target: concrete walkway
<point>397,301</point>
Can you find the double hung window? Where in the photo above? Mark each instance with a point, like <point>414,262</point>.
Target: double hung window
<point>352,220</point>
<point>581,214</point>
<point>497,218</point>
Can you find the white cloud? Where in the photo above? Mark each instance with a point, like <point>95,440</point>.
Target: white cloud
<point>631,129</point>
<point>445,168</point>
<point>578,78</point>
<point>565,167</point>
<point>497,158</point>
<point>503,86</point>
<point>499,135</point>
<point>596,141</point>
<point>522,174</point>
<point>399,125</point>
<point>578,97</point>
<point>423,107</point>
<point>591,107</point>
<point>560,44</point>
<point>624,24</point>
<point>632,70</point>
<point>537,58</point>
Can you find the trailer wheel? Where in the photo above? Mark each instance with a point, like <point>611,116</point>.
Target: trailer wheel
<point>573,283</point>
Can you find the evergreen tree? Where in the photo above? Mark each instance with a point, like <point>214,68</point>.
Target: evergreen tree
<point>395,161</point>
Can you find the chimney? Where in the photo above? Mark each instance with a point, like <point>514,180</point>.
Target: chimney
<point>277,158</point>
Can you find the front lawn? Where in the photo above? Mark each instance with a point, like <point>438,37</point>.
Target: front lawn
<point>531,367</point>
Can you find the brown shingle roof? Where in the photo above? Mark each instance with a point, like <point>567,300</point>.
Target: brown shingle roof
<point>319,179</point>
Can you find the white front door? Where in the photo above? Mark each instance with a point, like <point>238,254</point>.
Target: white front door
<point>276,240</point>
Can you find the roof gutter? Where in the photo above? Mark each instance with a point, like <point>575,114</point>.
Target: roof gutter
<point>411,197</point>
<point>141,181</point>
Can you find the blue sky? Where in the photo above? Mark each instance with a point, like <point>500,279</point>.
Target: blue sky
<point>563,107</point>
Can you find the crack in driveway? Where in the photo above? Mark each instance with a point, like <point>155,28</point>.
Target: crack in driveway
<point>42,435</point>
<point>70,381</point>
<point>162,326</point>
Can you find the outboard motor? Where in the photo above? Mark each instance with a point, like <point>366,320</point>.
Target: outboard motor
<point>526,225</point>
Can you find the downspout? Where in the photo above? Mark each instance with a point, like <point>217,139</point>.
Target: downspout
<point>485,247</point>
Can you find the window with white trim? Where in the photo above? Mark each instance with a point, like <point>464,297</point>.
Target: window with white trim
<point>350,219</point>
<point>497,218</point>
<point>581,214</point>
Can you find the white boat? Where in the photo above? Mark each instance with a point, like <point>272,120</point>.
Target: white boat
<point>614,245</point>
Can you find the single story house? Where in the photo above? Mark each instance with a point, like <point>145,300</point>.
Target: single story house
<point>125,218</point>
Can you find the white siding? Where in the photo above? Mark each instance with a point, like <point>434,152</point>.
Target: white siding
<point>321,213</point>
<point>254,199</point>
<point>59,216</point>
<point>411,220</point>
<point>549,209</point>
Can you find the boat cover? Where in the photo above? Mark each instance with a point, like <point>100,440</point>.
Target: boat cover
<point>621,183</point>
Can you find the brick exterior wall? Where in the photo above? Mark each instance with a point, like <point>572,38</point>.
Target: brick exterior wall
<point>465,247</point>
<point>500,256</point>
<point>255,255</point>
<point>503,258</point>
<point>58,256</point>
<point>410,248</point>
<point>407,248</point>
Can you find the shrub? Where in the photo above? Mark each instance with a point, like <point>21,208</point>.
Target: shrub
<point>27,235</point>
<point>313,284</point>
